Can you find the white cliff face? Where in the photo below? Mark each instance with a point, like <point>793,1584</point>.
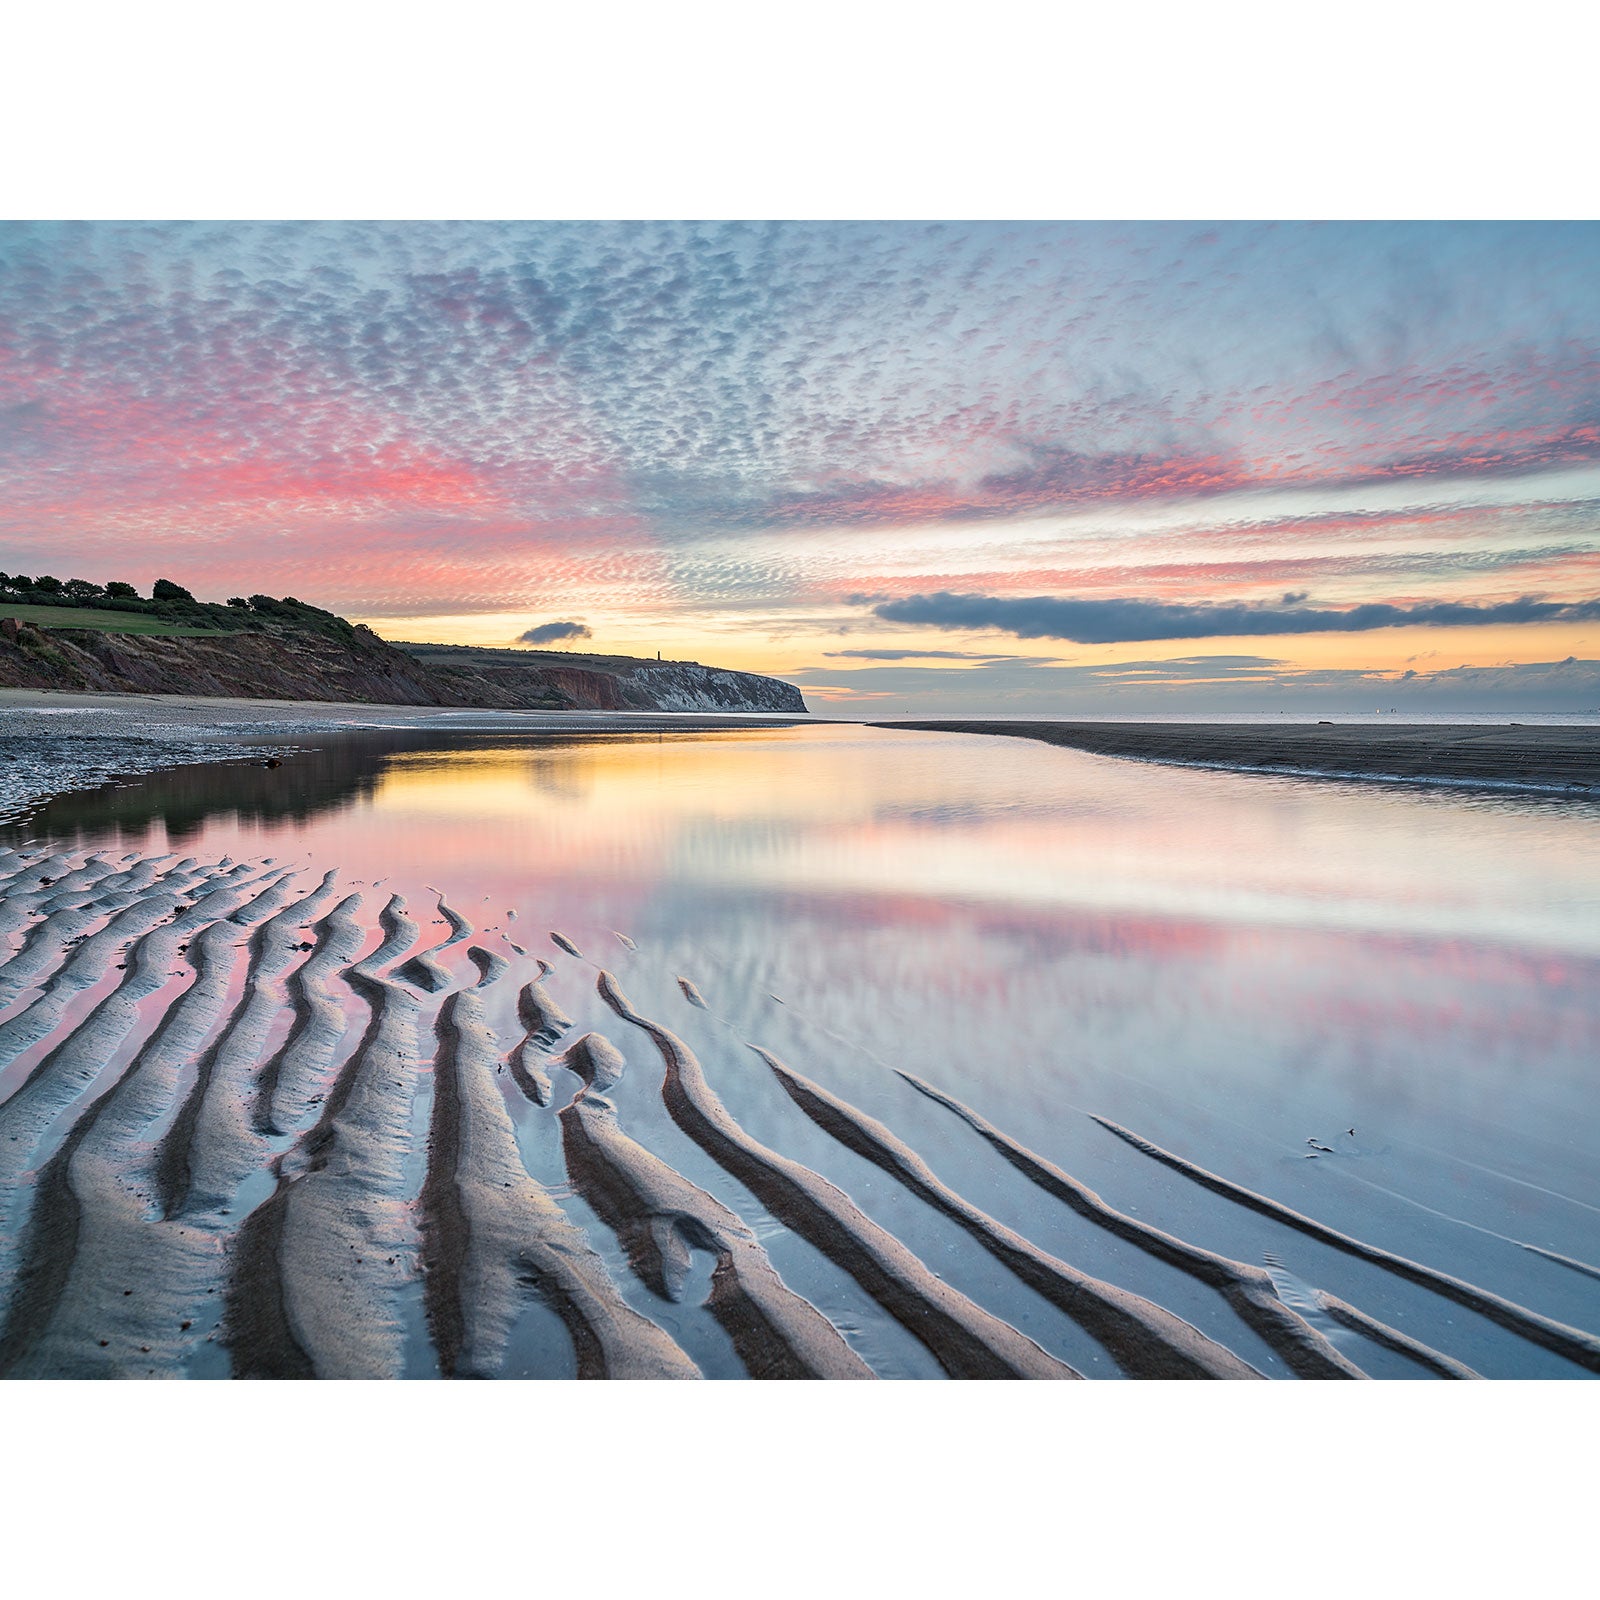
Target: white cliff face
<point>674,687</point>
<point>551,679</point>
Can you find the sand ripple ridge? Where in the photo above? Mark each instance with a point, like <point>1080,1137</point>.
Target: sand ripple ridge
<point>253,1122</point>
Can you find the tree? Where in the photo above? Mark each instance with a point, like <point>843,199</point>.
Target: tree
<point>48,585</point>
<point>122,591</point>
<point>82,589</point>
<point>20,581</point>
<point>166,590</point>
<point>239,601</point>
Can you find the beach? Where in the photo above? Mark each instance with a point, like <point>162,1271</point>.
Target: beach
<point>230,717</point>
<point>350,1041</point>
<point>140,733</point>
<point>58,741</point>
<point>1508,756</point>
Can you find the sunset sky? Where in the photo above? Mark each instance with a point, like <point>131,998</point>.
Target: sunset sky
<point>1020,468</point>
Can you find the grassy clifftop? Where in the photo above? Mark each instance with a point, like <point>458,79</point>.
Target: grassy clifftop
<point>171,643</point>
<point>63,616</point>
<point>168,610</point>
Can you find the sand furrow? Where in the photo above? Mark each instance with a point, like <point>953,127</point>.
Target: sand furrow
<point>491,967</point>
<point>63,1074</point>
<point>659,1217</point>
<point>424,970</point>
<point>1144,1340</point>
<point>1247,1289</point>
<point>544,1022</point>
<point>302,1063</point>
<point>50,888</point>
<point>966,1340</point>
<point>595,1060</point>
<point>53,883</point>
<point>81,967</point>
<point>1358,1321</point>
<point>1574,1343</point>
<point>48,946</point>
<point>135,879</point>
<point>107,1288</point>
<point>41,1337</point>
<point>1582,1268</point>
<point>60,875</point>
<point>460,928</point>
<point>211,1146</point>
<point>1570,1263</point>
<point>489,1229</point>
<point>1329,1312</point>
<point>39,873</point>
<point>320,1266</point>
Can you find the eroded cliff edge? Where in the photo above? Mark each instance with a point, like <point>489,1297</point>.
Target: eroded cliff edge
<point>290,663</point>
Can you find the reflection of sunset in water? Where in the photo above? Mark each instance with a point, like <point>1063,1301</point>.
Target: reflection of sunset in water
<point>725,775</point>
<point>991,822</point>
<point>1213,929</point>
<point>1373,1003</point>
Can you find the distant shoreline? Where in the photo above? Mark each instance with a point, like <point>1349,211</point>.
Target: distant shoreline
<point>57,742</point>
<point>1543,759</point>
<point>60,741</point>
<point>280,715</point>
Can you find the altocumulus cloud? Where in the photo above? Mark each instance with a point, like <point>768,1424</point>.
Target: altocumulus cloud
<point>554,633</point>
<point>442,415</point>
<point>1121,621</point>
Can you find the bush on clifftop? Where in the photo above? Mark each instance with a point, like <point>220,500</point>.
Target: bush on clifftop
<point>174,603</point>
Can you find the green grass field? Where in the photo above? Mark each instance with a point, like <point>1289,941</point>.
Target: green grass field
<point>100,621</point>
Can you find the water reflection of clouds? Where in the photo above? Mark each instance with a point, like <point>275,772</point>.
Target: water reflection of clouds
<point>1039,928</point>
<point>859,813</point>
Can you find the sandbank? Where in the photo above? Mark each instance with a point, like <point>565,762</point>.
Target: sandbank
<point>1503,756</point>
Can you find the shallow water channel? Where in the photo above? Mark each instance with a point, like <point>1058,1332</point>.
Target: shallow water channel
<point>1376,1005</point>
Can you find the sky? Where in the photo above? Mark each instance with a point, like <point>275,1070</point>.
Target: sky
<point>1018,469</point>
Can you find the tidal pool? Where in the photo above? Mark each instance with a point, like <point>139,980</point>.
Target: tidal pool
<point>1373,1005</point>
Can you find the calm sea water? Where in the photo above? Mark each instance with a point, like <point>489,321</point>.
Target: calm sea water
<point>1231,966</point>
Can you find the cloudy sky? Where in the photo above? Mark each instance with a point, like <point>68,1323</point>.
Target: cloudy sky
<point>1092,468</point>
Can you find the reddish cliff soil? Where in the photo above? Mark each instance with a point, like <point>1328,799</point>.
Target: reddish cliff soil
<point>288,663</point>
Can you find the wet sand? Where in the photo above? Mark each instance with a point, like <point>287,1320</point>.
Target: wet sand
<point>256,1119</point>
<point>218,1153</point>
<point>224,716</point>
<point>1507,756</point>
<point>57,742</point>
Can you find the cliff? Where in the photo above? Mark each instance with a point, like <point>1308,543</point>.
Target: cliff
<point>281,661</point>
<point>603,683</point>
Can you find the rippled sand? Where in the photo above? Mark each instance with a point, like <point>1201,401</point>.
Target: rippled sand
<point>258,1119</point>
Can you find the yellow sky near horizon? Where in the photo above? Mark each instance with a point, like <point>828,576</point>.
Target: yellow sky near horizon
<point>1391,651</point>
<point>800,600</point>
